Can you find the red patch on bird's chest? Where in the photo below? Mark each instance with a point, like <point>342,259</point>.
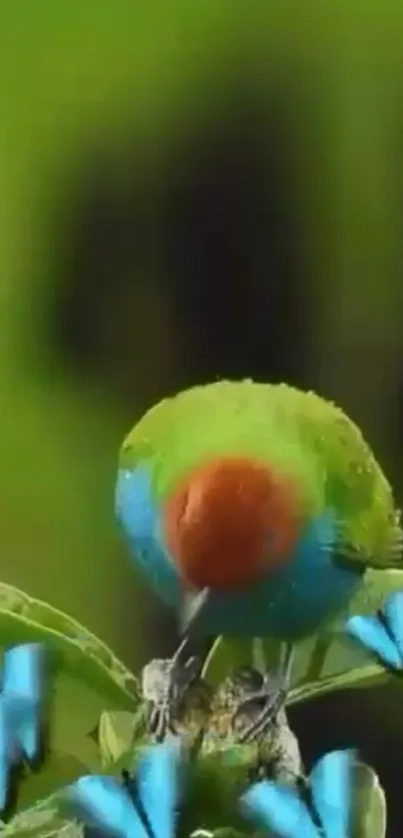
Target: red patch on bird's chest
<point>228,521</point>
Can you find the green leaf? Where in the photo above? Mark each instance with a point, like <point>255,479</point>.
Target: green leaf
<point>59,770</point>
<point>226,832</point>
<point>42,821</point>
<point>364,677</point>
<point>223,832</point>
<point>87,678</point>
<point>118,732</point>
<point>369,819</point>
<point>378,584</point>
<point>234,761</point>
<point>212,796</point>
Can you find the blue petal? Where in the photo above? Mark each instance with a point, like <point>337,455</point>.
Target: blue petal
<point>102,803</point>
<point>279,809</point>
<point>331,784</point>
<point>22,671</point>
<point>372,634</point>
<point>22,695</point>
<point>394,614</point>
<point>158,786</point>
<point>4,757</point>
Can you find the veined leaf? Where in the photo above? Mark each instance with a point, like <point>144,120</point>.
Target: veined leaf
<point>42,821</point>
<point>87,678</point>
<point>363,677</point>
<point>369,818</point>
<point>58,770</point>
<point>117,734</point>
<point>378,584</point>
<point>227,832</point>
<point>210,782</point>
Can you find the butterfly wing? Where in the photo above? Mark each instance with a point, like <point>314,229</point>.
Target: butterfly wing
<point>20,709</point>
<point>373,635</point>
<point>23,687</point>
<point>279,809</point>
<point>4,757</point>
<point>394,617</point>
<point>158,783</point>
<point>102,803</point>
<point>331,784</point>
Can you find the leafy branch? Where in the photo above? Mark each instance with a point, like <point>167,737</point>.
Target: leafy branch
<point>98,725</point>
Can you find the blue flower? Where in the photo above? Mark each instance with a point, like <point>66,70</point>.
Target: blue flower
<point>382,634</point>
<point>150,805</point>
<point>283,811</point>
<point>21,705</point>
<point>104,804</point>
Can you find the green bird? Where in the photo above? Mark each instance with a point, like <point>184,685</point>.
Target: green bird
<point>253,510</point>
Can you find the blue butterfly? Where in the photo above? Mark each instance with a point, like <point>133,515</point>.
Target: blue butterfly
<point>283,811</point>
<point>102,803</point>
<point>20,709</point>
<point>382,634</point>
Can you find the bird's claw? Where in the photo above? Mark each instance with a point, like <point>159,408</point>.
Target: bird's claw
<point>266,718</point>
<point>161,722</point>
<point>164,685</point>
<point>269,698</point>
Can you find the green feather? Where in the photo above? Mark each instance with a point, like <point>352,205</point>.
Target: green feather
<point>297,433</point>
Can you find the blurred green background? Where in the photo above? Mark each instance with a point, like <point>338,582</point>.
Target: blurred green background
<point>187,191</point>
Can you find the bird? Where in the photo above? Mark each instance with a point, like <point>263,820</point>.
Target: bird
<point>251,510</point>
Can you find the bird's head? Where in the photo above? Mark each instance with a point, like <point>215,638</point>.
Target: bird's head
<point>230,521</point>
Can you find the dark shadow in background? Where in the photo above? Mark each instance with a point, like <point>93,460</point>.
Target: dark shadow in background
<point>228,235</point>
<point>357,719</point>
<point>228,229</point>
<point>233,260</point>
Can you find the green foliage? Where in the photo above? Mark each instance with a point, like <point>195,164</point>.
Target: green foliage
<point>86,680</point>
<point>98,723</point>
<point>369,811</point>
<point>370,805</point>
<point>209,780</point>
<point>58,770</point>
<point>119,734</point>
<point>225,832</point>
<point>42,821</point>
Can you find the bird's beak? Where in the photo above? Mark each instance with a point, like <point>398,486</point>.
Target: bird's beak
<point>193,603</point>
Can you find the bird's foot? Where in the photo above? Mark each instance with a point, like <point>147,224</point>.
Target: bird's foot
<point>382,634</point>
<point>247,694</point>
<point>165,684</point>
<point>258,708</point>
